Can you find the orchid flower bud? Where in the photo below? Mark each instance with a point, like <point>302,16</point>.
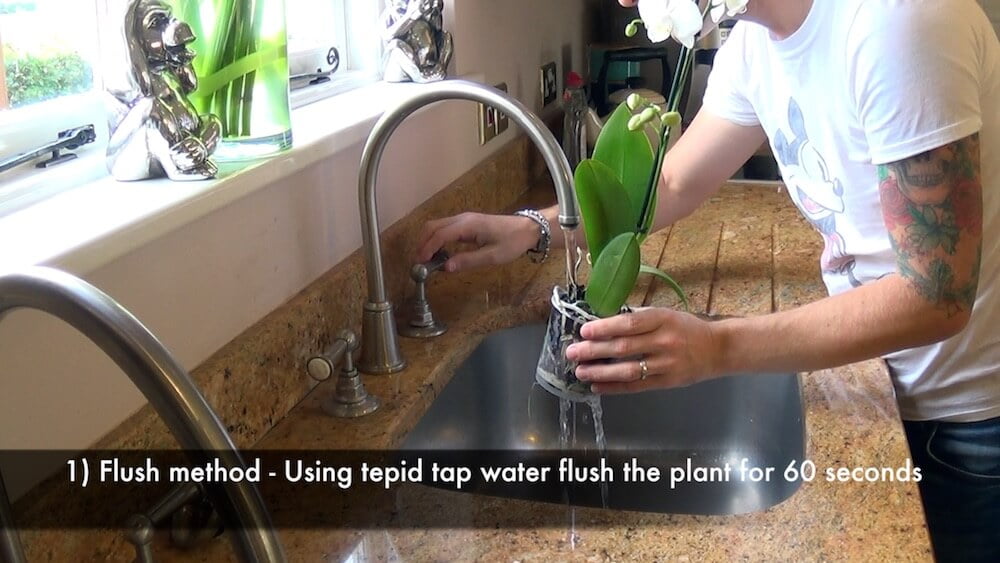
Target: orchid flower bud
<point>634,101</point>
<point>636,123</point>
<point>631,29</point>
<point>671,119</point>
<point>649,114</point>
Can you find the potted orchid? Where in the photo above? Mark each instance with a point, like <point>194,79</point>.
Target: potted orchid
<point>617,192</point>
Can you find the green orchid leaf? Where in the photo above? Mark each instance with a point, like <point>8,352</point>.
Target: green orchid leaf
<point>613,275</point>
<point>669,281</point>
<point>628,154</point>
<point>606,208</point>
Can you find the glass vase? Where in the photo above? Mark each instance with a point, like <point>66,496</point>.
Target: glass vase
<point>242,68</point>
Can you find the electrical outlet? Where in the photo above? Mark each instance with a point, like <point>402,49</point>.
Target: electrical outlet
<point>548,80</point>
<point>487,123</point>
<point>502,120</point>
<point>492,121</point>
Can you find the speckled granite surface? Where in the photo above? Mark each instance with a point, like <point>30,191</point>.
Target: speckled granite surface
<point>746,253</point>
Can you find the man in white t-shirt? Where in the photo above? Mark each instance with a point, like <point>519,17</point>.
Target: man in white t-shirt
<point>884,116</point>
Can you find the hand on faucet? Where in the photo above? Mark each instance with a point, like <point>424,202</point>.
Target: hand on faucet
<point>497,239</point>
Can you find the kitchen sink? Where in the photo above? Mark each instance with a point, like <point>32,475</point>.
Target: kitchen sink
<point>492,410</point>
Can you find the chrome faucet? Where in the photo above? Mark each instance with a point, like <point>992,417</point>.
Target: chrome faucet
<point>163,382</point>
<point>380,352</point>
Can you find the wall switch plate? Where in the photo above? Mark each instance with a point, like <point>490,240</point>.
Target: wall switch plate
<point>549,81</point>
<point>487,123</point>
<point>492,121</point>
<point>503,122</point>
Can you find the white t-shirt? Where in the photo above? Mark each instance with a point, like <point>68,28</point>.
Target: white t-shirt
<point>869,82</point>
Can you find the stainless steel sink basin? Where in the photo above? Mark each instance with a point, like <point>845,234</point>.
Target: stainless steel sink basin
<point>493,407</point>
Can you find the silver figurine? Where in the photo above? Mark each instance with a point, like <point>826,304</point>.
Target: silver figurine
<point>155,130</point>
<point>417,48</point>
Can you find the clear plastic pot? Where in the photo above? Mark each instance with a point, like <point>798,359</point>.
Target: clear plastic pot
<point>555,373</point>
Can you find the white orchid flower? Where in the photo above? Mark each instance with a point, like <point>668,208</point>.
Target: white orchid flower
<point>727,8</point>
<point>680,19</point>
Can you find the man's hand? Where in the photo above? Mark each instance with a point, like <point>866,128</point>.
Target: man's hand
<point>678,348</point>
<point>498,239</point>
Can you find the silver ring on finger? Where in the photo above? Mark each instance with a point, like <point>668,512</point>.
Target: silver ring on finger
<point>643,370</point>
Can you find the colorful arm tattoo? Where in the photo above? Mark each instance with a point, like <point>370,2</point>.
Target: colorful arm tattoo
<point>933,208</point>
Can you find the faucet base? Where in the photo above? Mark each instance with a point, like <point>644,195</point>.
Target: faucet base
<point>380,353</point>
<point>335,408</point>
<point>434,329</point>
<point>350,400</point>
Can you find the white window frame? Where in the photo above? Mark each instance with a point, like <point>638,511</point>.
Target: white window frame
<point>360,60</point>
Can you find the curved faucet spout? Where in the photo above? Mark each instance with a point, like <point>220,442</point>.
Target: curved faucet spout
<point>163,382</point>
<point>380,354</point>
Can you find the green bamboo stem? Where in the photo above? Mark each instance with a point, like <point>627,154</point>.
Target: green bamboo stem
<point>238,51</point>
<point>225,44</point>
<point>224,14</point>
<point>248,86</point>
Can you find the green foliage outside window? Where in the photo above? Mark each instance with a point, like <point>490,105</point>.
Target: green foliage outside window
<point>32,79</point>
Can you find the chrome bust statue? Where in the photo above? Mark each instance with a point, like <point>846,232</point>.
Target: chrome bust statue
<point>417,48</point>
<point>155,130</point>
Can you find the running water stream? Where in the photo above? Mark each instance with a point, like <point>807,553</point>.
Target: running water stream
<point>567,408</point>
<point>597,413</point>
<point>574,257</point>
<point>568,443</point>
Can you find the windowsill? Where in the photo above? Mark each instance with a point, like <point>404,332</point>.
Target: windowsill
<point>84,227</point>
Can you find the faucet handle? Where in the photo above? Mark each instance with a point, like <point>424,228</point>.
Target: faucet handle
<point>422,323</point>
<point>321,367</point>
<point>420,272</point>
<point>349,399</point>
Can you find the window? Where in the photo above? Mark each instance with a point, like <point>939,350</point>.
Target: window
<point>43,66</point>
<point>51,79</point>
<point>48,76</point>
<point>315,27</point>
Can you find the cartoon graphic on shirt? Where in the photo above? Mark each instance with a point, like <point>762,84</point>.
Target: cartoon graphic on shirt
<point>818,196</point>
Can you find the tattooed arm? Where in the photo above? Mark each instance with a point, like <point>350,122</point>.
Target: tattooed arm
<point>932,205</point>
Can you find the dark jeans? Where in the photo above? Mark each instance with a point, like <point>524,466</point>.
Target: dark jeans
<point>960,486</point>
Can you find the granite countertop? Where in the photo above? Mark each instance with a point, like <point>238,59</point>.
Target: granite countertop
<point>746,252</point>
